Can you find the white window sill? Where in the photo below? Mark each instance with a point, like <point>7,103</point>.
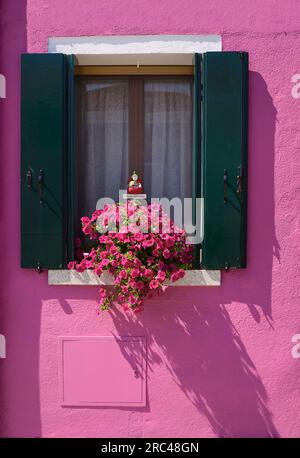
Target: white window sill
<point>71,277</point>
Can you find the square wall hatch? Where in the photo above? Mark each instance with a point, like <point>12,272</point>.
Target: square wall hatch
<point>103,371</point>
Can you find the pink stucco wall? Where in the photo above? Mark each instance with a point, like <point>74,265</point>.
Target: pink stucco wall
<point>219,359</point>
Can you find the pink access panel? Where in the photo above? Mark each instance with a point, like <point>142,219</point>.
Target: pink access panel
<point>103,371</point>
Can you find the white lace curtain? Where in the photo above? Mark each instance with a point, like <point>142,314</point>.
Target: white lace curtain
<point>102,141</point>
<point>168,138</point>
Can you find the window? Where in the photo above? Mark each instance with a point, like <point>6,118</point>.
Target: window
<point>142,123</point>
<point>185,138</point>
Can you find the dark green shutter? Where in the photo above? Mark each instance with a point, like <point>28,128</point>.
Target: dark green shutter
<point>45,147</point>
<point>224,159</point>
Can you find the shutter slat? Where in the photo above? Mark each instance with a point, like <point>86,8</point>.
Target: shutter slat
<point>224,158</point>
<point>43,147</point>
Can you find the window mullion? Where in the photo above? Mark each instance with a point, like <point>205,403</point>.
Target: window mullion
<point>136,125</point>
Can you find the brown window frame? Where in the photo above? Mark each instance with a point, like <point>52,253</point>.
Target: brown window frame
<point>136,77</point>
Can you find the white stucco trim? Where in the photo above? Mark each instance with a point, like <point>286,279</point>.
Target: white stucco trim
<point>178,45</point>
<point>88,277</point>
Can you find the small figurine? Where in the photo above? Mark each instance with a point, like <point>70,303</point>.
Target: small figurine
<point>135,184</point>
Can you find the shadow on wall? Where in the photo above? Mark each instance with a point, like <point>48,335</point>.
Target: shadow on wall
<point>199,344</point>
<point>207,360</point>
<point>263,247</point>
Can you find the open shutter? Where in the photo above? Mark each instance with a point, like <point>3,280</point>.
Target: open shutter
<point>45,126</point>
<point>224,159</point>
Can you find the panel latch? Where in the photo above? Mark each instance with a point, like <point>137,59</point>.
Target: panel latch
<point>239,180</point>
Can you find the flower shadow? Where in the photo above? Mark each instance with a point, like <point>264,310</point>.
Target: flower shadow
<point>205,358</point>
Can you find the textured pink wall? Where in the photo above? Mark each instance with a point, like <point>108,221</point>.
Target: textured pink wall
<point>219,359</point>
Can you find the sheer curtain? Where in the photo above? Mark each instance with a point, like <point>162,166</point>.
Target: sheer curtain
<point>102,125</point>
<point>168,137</point>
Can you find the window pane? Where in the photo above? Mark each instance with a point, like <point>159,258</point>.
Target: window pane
<point>168,137</point>
<point>102,107</point>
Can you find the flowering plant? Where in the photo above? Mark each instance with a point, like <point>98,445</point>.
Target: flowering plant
<point>139,245</point>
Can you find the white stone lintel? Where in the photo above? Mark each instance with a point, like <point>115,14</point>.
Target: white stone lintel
<point>135,44</point>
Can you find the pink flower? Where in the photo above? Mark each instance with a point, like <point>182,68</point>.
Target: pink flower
<point>170,241</point>
<point>102,292</point>
<point>138,236</point>
<point>96,215</point>
<point>154,284</point>
<point>135,273</point>
<point>174,276</point>
<point>80,267</point>
<point>85,220</point>
<point>181,273</point>
<point>98,270</point>
<point>121,298</point>
<point>150,260</point>
<point>133,284</point>
<point>123,274</point>
<point>132,299</point>
<point>148,273</point>
<point>113,251</point>
<point>137,262</point>
<point>161,275</point>
<point>125,262</point>
<point>148,243</point>
<point>87,230</point>
<point>104,262</point>
<point>166,253</point>
<point>140,285</point>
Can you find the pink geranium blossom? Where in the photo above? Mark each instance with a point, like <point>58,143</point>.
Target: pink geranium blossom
<point>140,262</point>
<point>154,284</point>
<point>166,253</point>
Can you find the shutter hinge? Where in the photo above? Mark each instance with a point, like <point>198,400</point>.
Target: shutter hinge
<point>226,267</point>
<point>29,179</point>
<point>41,186</point>
<point>242,55</point>
<point>39,267</point>
<point>239,180</point>
<point>225,185</point>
